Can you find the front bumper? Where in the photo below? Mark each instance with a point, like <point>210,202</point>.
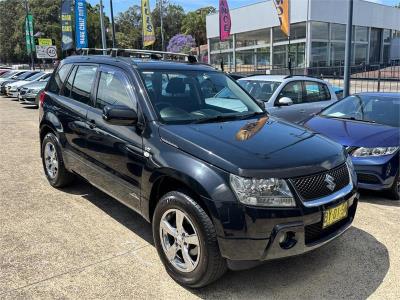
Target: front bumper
<point>267,226</point>
<point>12,94</point>
<point>376,173</point>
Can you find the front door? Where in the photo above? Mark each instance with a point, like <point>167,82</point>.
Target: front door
<point>116,151</point>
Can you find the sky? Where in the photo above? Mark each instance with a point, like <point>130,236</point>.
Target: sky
<point>188,5</point>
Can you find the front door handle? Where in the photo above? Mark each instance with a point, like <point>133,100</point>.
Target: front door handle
<point>92,124</point>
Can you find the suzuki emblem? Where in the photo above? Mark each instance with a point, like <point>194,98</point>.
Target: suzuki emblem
<point>330,182</point>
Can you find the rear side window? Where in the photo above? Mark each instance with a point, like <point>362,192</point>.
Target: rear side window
<point>58,79</point>
<point>315,91</point>
<point>83,82</point>
<point>68,85</point>
<point>113,90</point>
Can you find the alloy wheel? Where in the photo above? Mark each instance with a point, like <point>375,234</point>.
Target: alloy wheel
<point>179,240</point>
<point>51,160</point>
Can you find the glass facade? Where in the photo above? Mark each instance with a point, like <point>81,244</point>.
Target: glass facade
<point>269,48</point>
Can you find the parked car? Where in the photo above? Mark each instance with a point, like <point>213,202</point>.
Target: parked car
<point>223,187</point>
<point>10,75</point>
<point>29,92</point>
<point>293,98</point>
<point>13,88</point>
<point>368,125</point>
<point>17,77</point>
<point>10,86</point>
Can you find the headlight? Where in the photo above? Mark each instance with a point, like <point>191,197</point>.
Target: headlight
<point>271,192</point>
<point>379,151</point>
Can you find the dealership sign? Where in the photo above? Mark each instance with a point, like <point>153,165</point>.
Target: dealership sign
<point>81,38</point>
<point>46,52</point>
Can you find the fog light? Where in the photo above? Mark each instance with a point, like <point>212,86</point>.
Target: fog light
<point>287,240</point>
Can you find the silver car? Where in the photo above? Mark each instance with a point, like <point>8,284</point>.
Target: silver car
<point>293,98</point>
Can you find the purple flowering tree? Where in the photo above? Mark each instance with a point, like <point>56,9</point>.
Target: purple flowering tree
<point>181,43</point>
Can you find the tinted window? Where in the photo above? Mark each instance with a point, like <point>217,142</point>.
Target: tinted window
<point>315,91</point>
<point>68,85</point>
<point>113,90</point>
<point>292,90</point>
<point>261,90</point>
<point>84,78</point>
<point>58,79</point>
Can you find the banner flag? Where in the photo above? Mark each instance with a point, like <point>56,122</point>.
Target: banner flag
<point>29,37</point>
<point>148,29</point>
<point>225,22</point>
<point>283,9</point>
<point>67,40</point>
<point>81,38</point>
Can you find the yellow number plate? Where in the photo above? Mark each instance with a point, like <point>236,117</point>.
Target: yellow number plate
<point>335,214</point>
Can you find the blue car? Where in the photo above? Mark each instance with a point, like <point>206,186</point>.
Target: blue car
<point>368,125</point>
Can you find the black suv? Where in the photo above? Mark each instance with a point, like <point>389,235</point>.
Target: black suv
<point>224,184</point>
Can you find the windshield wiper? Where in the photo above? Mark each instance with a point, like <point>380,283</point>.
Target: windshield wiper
<point>254,114</point>
<point>218,118</point>
<point>350,118</point>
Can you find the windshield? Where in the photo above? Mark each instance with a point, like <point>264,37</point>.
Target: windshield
<point>368,108</point>
<point>7,74</point>
<point>24,75</point>
<point>261,90</point>
<point>197,96</point>
<point>46,77</point>
<point>34,77</point>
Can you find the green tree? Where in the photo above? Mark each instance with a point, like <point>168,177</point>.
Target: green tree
<point>173,16</point>
<point>128,28</point>
<point>195,24</point>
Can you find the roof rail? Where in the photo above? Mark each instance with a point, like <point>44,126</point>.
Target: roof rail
<point>152,54</point>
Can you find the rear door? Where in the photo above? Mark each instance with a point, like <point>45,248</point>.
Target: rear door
<point>115,151</point>
<point>317,96</point>
<point>72,106</point>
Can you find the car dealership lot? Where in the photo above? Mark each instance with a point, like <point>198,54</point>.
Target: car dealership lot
<point>80,243</point>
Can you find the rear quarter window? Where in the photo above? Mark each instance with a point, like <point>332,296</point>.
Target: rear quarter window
<point>56,81</point>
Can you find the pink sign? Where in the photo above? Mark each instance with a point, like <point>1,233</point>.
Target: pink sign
<point>224,21</point>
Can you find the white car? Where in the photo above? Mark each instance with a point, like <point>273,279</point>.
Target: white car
<point>293,98</point>
<point>12,89</point>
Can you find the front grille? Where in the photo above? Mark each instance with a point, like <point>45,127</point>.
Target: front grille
<point>367,178</point>
<point>315,186</point>
<point>23,92</point>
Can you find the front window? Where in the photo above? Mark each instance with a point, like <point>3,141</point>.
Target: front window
<point>367,108</point>
<point>194,96</point>
<point>260,90</point>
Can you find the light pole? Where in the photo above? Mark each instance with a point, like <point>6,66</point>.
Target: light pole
<point>347,55</point>
<point>112,25</point>
<point>162,25</point>
<point>29,30</point>
<point>103,31</point>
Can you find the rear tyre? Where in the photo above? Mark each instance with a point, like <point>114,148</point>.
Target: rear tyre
<point>53,163</point>
<point>394,192</point>
<point>186,241</point>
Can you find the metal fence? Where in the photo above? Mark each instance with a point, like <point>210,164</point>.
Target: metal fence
<point>364,78</point>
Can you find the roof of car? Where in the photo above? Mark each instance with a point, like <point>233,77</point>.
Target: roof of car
<point>141,63</point>
<point>279,78</point>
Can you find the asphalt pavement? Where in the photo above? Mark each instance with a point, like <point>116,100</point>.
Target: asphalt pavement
<point>78,243</point>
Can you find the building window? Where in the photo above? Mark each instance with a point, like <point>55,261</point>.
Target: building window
<point>297,31</point>
<point>386,35</point>
<point>360,34</point>
<point>253,38</point>
<point>279,56</point>
<point>337,54</point>
<point>245,57</point>
<point>222,58</point>
<point>360,54</point>
<point>319,54</point>
<point>375,45</point>
<point>297,55</point>
<point>319,30</point>
<point>386,54</point>
<point>216,45</point>
<point>338,32</point>
<point>263,57</point>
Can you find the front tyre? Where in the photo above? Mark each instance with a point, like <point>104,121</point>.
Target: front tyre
<point>186,241</point>
<point>394,192</point>
<point>53,163</point>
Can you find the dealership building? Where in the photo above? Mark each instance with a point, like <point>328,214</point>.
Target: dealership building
<point>318,33</point>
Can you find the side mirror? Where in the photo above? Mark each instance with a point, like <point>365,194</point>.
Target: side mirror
<point>285,101</point>
<point>120,115</point>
